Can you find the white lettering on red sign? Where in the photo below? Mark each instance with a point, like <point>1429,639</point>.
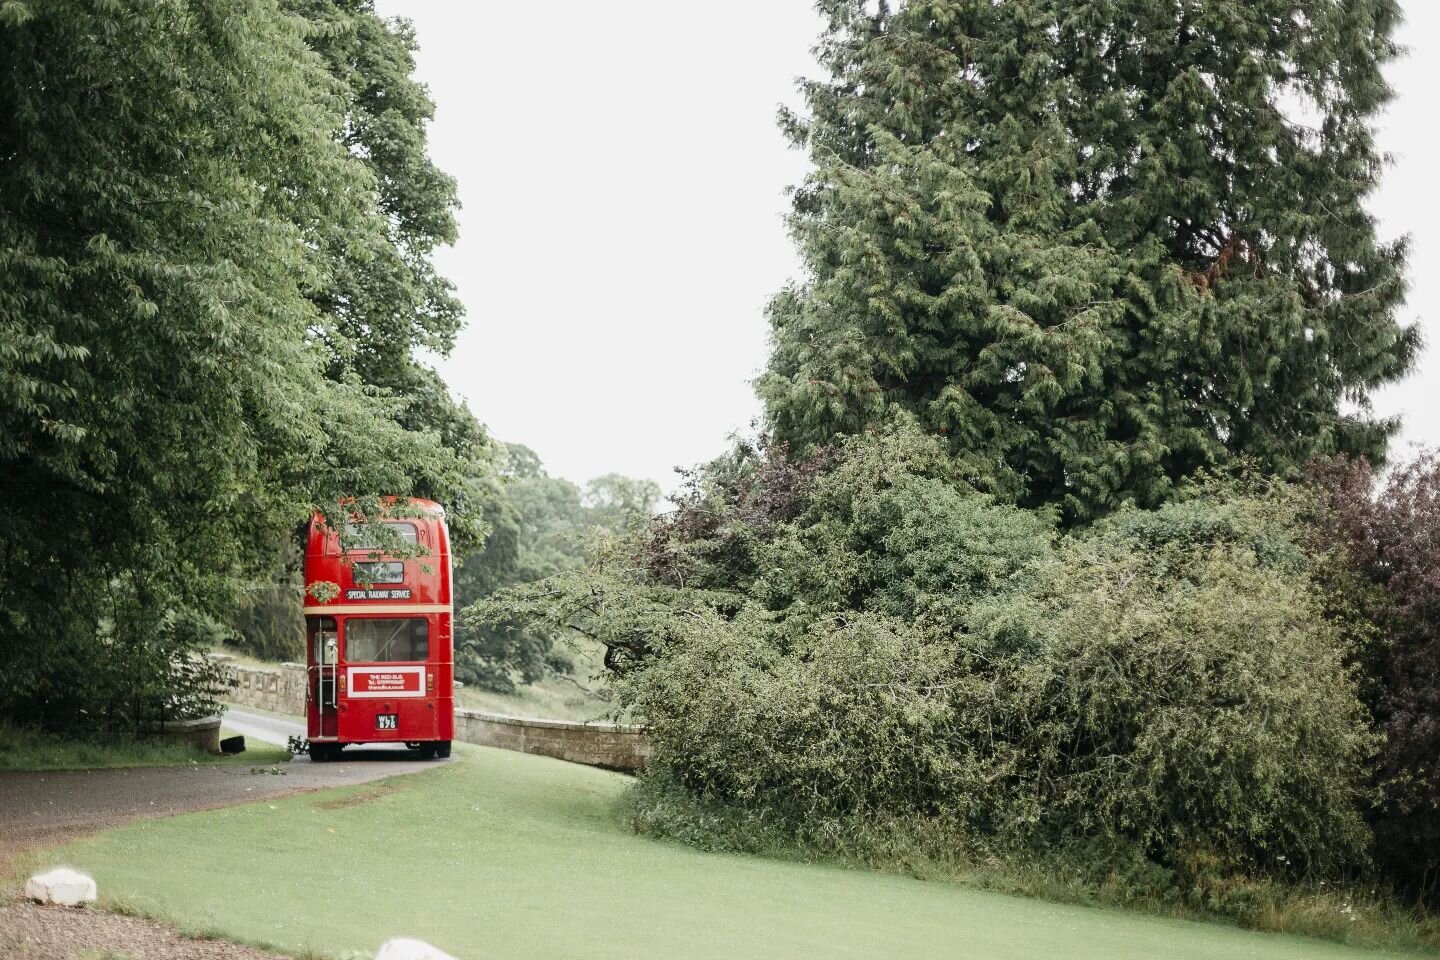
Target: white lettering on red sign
<point>386,681</point>
<point>396,594</point>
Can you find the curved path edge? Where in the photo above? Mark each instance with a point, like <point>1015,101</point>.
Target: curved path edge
<point>45,808</point>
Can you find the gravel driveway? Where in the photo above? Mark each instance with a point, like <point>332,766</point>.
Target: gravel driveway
<point>44,808</point>
<point>29,931</point>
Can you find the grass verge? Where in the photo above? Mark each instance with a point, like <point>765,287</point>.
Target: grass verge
<point>506,855</point>
<point>578,697</point>
<point>24,749</point>
<point>549,699</point>
<point>927,850</point>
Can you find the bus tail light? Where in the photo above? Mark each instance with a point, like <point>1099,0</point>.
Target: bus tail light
<point>429,682</point>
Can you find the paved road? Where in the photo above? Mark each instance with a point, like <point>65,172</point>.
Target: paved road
<point>270,728</point>
<point>44,808</point>
<point>262,727</point>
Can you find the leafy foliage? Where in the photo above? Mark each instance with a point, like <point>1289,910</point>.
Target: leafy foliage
<point>1388,530</point>
<point>1090,244</point>
<point>542,525</point>
<point>857,637</point>
<point>383,296</point>
<point>268,621</point>
<point>800,536</point>
<point>1191,698</point>
<point>168,179</point>
<point>382,299</point>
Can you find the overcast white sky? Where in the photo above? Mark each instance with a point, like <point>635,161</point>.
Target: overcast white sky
<point>623,187</point>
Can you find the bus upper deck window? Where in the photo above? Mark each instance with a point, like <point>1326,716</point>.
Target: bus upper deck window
<point>379,571</point>
<point>359,537</point>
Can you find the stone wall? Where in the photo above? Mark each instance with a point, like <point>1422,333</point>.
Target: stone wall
<point>279,691</point>
<point>614,746</point>
<point>203,734</point>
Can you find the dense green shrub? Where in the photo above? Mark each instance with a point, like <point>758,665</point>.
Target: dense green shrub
<point>857,645</point>
<point>1188,700</point>
<point>852,717</point>
<point>1195,712</point>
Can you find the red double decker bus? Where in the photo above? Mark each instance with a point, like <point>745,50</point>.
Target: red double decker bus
<point>379,647</point>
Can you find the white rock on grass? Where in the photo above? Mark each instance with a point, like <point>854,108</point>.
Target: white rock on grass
<point>403,948</point>
<point>66,887</point>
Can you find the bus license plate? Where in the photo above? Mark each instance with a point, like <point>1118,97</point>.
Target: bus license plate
<point>387,721</point>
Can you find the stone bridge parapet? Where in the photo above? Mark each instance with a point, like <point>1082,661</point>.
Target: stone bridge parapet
<point>614,746</point>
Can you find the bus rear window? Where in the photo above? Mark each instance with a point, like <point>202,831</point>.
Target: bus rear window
<point>386,641</point>
<point>360,537</point>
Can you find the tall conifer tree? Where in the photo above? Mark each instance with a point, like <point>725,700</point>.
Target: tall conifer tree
<point>1098,244</point>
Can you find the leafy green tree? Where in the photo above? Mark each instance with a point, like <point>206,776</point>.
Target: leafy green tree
<point>383,299</point>
<point>614,501</point>
<point>1098,245</point>
<point>541,526</point>
<point>166,170</point>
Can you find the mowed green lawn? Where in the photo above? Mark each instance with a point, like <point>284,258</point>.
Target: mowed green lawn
<point>514,857</point>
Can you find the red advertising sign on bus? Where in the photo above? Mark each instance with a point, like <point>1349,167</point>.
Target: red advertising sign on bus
<point>386,681</point>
